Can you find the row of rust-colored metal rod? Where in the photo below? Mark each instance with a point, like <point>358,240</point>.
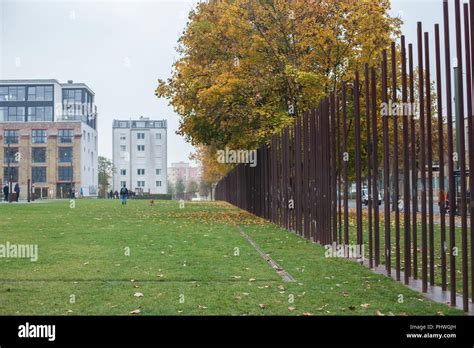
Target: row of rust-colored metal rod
<point>302,180</point>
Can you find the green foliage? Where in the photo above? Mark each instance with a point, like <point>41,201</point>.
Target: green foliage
<point>106,170</point>
<point>192,187</point>
<point>179,188</point>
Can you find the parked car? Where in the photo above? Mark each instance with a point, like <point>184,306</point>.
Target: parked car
<point>365,197</point>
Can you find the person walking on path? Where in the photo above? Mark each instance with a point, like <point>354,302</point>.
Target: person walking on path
<point>124,194</point>
<point>17,191</point>
<point>5,193</point>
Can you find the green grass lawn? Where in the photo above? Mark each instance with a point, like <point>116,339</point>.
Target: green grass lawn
<point>190,261</point>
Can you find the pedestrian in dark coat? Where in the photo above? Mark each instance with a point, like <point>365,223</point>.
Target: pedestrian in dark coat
<point>6,191</point>
<point>17,191</point>
<point>124,194</point>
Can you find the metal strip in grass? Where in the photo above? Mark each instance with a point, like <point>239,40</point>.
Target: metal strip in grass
<point>281,272</point>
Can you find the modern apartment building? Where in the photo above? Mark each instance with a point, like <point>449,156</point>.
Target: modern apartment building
<point>139,155</point>
<point>49,136</point>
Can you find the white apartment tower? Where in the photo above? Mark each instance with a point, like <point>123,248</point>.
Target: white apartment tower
<point>139,155</point>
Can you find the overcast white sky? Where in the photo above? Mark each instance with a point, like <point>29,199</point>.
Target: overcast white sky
<point>120,49</point>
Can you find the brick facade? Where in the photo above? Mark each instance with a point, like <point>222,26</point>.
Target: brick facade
<point>52,164</point>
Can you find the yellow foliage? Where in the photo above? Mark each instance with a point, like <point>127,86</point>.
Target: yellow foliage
<point>247,67</point>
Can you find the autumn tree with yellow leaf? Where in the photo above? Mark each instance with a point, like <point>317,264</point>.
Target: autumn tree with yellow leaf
<point>246,68</point>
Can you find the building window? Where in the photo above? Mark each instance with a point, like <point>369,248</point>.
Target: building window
<point>123,124</point>
<point>140,171</point>
<point>158,171</point>
<point>10,174</point>
<point>140,136</point>
<point>3,113</point>
<point>140,183</point>
<point>11,155</point>
<point>65,173</point>
<point>10,136</point>
<point>38,155</point>
<point>65,135</point>
<point>31,93</point>
<point>40,93</point>
<point>72,96</point>
<point>65,154</point>
<point>12,93</point>
<point>123,172</point>
<point>123,137</point>
<point>3,93</point>
<point>72,102</point>
<point>141,147</point>
<point>16,114</point>
<point>158,184</point>
<point>48,93</point>
<point>140,124</point>
<point>40,113</point>
<point>38,174</point>
<point>158,136</point>
<point>38,136</point>
<point>123,148</point>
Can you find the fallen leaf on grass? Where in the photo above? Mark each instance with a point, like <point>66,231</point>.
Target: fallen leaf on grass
<point>307,314</point>
<point>291,309</point>
<point>261,305</point>
<point>379,313</point>
<point>138,294</point>
<point>365,305</point>
<point>135,311</point>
